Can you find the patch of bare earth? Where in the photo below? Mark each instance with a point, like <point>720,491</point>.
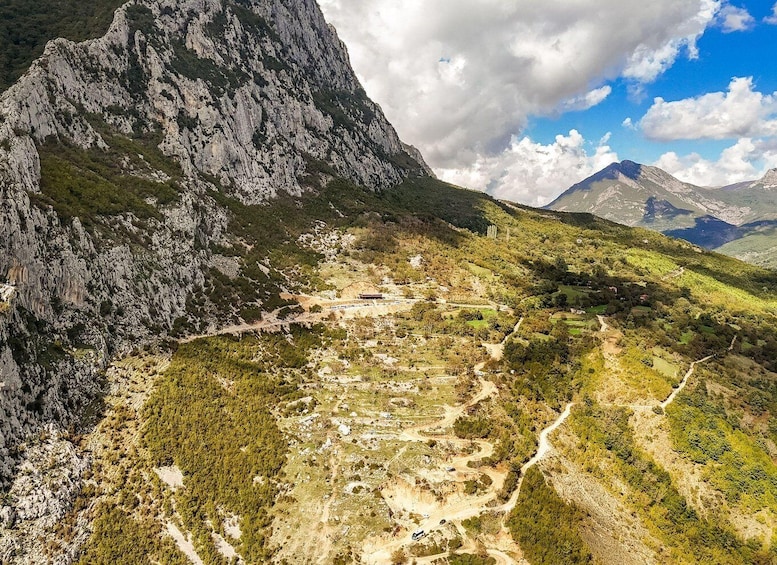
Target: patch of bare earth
<point>184,543</point>
<point>611,388</point>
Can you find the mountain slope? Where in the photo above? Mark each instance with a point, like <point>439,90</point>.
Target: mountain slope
<point>395,418</point>
<point>193,208</point>
<point>26,27</point>
<point>760,196</point>
<point>131,168</point>
<point>635,194</point>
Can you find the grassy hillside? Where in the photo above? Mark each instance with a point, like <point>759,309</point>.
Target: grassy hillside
<point>758,245</point>
<point>344,437</point>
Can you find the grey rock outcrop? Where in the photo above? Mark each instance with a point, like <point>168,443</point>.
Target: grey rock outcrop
<point>246,99</point>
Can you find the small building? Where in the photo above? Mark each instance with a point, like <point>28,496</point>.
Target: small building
<point>370,296</point>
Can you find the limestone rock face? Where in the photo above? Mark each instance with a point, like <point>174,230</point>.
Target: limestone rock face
<point>244,98</point>
<point>245,92</point>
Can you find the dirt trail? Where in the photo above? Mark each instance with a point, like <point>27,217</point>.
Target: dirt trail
<point>610,350</point>
<point>543,448</point>
<point>271,323</point>
<point>326,531</point>
<point>474,506</point>
<point>465,507</point>
<point>468,507</point>
<point>460,508</point>
<point>674,274</point>
<point>684,382</point>
<point>496,350</point>
<point>610,339</point>
<point>452,413</point>
<point>344,309</point>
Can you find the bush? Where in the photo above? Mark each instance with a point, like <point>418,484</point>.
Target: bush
<point>546,527</point>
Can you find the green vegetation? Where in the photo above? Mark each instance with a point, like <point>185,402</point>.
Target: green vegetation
<point>93,185</point>
<point>429,199</point>
<point>607,434</point>
<point>120,538</point>
<point>546,527</point>
<point>547,368</point>
<point>473,428</point>
<point>428,238</point>
<point>227,411</point>
<point>220,79</point>
<point>738,466</point>
<point>338,105</point>
<point>211,417</point>
<point>26,27</point>
<point>757,246</point>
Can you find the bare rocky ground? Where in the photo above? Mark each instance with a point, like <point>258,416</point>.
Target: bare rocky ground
<point>60,467</point>
<point>613,533</point>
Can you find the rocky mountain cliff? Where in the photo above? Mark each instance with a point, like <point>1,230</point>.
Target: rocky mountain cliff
<point>123,163</point>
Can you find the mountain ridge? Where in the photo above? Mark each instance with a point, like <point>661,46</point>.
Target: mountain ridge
<point>641,195</point>
<point>242,323</point>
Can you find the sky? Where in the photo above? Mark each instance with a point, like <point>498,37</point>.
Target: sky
<point>524,98</point>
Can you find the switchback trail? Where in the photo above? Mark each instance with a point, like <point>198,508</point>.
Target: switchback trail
<point>473,506</point>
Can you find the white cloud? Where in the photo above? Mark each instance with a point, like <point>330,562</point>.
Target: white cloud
<point>459,78</point>
<point>733,18</point>
<point>773,18</point>
<point>747,159</point>
<point>740,112</point>
<point>645,64</point>
<point>629,124</point>
<point>531,172</point>
<point>587,100</point>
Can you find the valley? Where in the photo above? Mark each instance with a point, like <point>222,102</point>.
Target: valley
<point>399,423</point>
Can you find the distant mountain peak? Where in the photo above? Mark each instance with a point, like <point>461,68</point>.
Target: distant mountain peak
<point>635,194</point>
<point>614,171</point>
<point>629,169</point>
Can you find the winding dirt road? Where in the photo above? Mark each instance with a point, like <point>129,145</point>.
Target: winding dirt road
<point>543,448</point>
<point>461,509</point>
<point>683,382</point>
